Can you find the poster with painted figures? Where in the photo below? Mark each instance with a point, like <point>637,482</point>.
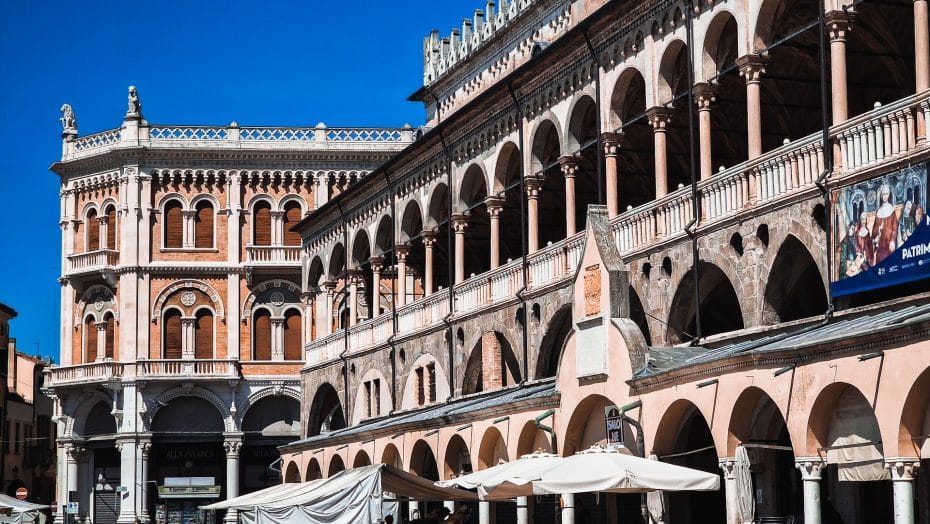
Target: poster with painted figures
<point>881,232</point>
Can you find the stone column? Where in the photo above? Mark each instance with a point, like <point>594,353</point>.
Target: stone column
<point>188,216</point>
<point>532,185</point>
<point>902,480</point>
<point>495,206</point>
<point>377,264</point>
<point>101,340</point>
<point>658,118</point>
<point>400,252</point>
<point>703,97</point>
<point>145,447</point>
<point>277,338</point>
<point>810,468</point>
<point>751,68</point>
<point>523,510</point>
<point>330,288</point>
<point>839,24</point>
<point>459,225</point>
<point>728,465</point>
<point>429,243</point>
<point>232,447</point>
<point>277,227</point>
<point>568,508</point>
<point>353,278</point>
<point>104,235</point>
<point>921,46</point>
<point>128,462</point>
<point>188,325</point>
<point>569,166</point>
<point>75,455</point>
<point>611,143</point>
<point>307,299</point>
<point>485,515</point>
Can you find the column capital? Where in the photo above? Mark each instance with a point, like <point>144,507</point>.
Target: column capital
<point>145,446</point>
<point>377,263</point>
<point>704,94</point>
<point>751,67</point>
<point>728,465</point>
<point>658,117</point>
<point>611,143</point>
<point>75,453</point>
<point>189,213</point>
<point>401,251</point>
<point>459,222</point>
<point>495,205</point>
<point>101,325</point>
<point>903,469</point>
<point>532,185</point>
<point>329,287</point>
<point>839,24</point>
<point>277,213</point>
<point>569,164</point>
<point>103,219</point>
<point>810,467</point>
<point>354,276</point>
<point>232,448</point>
<point>429,237</point>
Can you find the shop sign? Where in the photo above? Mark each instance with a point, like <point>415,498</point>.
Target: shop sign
<point>177,492</point>
<point>71,508</point>
<point>881,232</point>
<point>614,422</point>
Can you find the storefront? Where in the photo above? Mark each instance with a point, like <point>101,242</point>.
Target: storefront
<point>187,476</point>
<point>180,498</point>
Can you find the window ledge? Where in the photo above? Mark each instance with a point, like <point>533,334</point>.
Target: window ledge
<point>189,250</point>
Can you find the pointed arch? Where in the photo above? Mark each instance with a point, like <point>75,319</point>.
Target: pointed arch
<point>720,306</point>
<point>795,288</point>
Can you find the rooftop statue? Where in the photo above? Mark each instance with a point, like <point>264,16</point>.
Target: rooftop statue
<point>68,121</point>
<point>135,106</point>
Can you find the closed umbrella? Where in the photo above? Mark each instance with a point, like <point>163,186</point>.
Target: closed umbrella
<point>745,502</point>
<point>655,502</point>
<point>604,470</point>
<point>506,480</point>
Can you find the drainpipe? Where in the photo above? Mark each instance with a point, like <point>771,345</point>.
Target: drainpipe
<point>695,196</point>
<point>345,330</point>
<point>523,247</point>
<point>548,429</point>
<point>597,105</point>
<point>640,442</point>
<point>822,179</point>
<point>376,285</point>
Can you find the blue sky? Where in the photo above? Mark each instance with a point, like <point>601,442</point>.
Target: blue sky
<point>343,62</point>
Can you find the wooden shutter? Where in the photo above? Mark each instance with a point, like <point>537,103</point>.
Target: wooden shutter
<point>172,334</point>
<point>90,335</point>
<point>203,227</point>
<point>174,225</point>
<point>261,335</point>
<point>111,228</point>
<point>110,336</point>
<point>291,218</point>
<point>261,235</point>
<point>292,329</point>
<point>203,336</point>
<point>93,231</point>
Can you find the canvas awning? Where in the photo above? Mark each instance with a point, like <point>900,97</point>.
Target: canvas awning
<point>23,512</point>
<point>507,480</point>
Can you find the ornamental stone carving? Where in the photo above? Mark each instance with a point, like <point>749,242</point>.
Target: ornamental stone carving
<point>135,106</point>
<point>68,120</point>
<point>277,298</point>
<point>188,298</point>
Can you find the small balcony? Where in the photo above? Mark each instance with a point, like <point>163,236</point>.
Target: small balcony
<point>93,261</point>
<point>272,256</point>
<point>187,368</point>
<point>81,374</point>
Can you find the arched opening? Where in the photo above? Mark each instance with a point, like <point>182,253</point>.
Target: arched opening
<point>684,439</point>
<point>673,95</point>
<point>336,464</point>
<point>720,308</point>
<point>492,450</point>
<point>174,225</point>
<point>472,196</point>
<point>261,224</point>
<point>314,472</point>
<point>795,288</point>
<point>261,334</point>
<point>203,225</point>
<point>325,412</point>
<point>99,421</point>
<point>112,227</point>
<point>457,460</point>
<point>856,486</point>
<point>384,247</point>
<point>636,159</point>
<point>638,315</point>
<point>438,216</point>
<point>171,334</point>
<point>203,334</point>
<point>361,460</point>
<point>292,215</point>
<point>728,110</point>
<point>293,324</point>
<point>109,334</point>
<point>292,476</point>
<point>361,273</point>
<point>93,231</point>
<point>491,365</point>
<point>533,439</point>
<point>90,339</point>
<point>337,275</point>
<point>413,236</point>
<point>551,201</point>
<point>913,439</point>
<point>507,175</point>
<point>391,456</point>
<point>583,145</point>
<point>553,343</point>
<point>757,424</point>
<point>268,423</point>
<point>423,461</point>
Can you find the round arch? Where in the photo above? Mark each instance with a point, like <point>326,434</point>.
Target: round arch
<point>183,414</point>
<point>533,439</point>
<point>915,419</point>
<point>325,411</point>
<point>492,450</point>
<point>188,284</point>
<point>423,461</point>
<point>553,342</point>
<point>457,459</point>
<point>795,288</point>
<point>336,464</point>
<point>292,473</point>
<point>721,310</point>
<point>492,347</point>
<point>361,249</point>
<point>361,459</point>
<point>411,222</point>
<point>391,456</point>
<point>314,472</point>
<point>586,427</point>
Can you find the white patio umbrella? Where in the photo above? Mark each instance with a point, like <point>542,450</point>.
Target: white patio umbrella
<point>656,503</point>
<point>506,480</point>
<point>604,470</point>
<point>746,503</point>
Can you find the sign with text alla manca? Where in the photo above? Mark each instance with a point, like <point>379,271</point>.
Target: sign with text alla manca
<point>186,492</point>
<point>881,233</point>
<point>614,422</point>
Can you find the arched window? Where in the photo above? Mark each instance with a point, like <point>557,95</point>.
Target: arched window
<point>261,335</point>
<point>203,225</point>
<point>292,214</point>
<point>90,339</point>
<point>171,334</point>
<point>203,335</point>
<point>111,228</point>
<point>292,322</point>
<point>261,229</point>
<point>174,225</point>
<point>110,336</point>
<point>93,231</point>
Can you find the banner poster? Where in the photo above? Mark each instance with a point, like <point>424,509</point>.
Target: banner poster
<point>881,232</point>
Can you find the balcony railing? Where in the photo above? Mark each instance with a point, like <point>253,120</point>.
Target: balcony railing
<point>93,260</point>
<point>172,369</point>
<point>273,255</point>
<point>886,133</point>
<point>83,373</point>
